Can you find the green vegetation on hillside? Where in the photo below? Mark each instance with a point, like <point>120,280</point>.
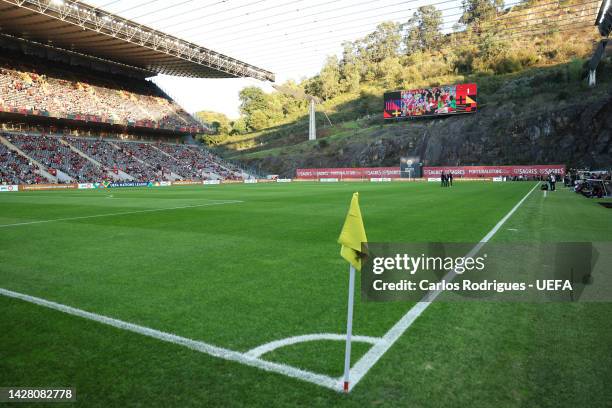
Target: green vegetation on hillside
<point>490,43</point>
<point>540,88</point>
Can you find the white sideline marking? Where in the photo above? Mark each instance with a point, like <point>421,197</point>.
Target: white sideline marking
<point>226,354</point>
<point>120,213</point>
<point>361,368</point>
<point>273,345</point>
<point>380,347</point>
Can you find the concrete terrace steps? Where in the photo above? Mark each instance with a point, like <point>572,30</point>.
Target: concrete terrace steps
<point>95,162</point>
<point>173,176</point>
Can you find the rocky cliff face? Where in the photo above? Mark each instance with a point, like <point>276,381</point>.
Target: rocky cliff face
<point>576,134</point>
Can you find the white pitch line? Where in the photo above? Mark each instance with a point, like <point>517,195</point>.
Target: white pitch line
<point>360,369</point>
<point>206,348</point>
<point>273,345</point>
<point>118,213</point>
<point>368,360</point>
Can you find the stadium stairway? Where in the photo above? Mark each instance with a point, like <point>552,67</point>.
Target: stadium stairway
<point>173,175</point>
<point>164,153</point>
<point>95,162</point>
<point>63,177</point>
<point>122,175</point>
<point>41,169</point>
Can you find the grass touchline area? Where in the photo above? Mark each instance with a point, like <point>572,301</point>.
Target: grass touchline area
<point>119,213</point>
<point>242,276</point>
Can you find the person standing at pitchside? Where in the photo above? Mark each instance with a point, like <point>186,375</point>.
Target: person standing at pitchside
<point>442,179</point>
<point>552,180</point>
<point>450,179</point>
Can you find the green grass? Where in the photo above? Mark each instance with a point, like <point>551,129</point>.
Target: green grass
<point>243,274</point>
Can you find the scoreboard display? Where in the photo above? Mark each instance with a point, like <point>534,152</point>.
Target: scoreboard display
<point>427,102</point>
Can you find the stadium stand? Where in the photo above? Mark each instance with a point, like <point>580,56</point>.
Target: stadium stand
<point>113,157</point>
<point>80,109</point>
<point>53,155</point>
<point>15,169</point>
<point>194,162</point>
<point>82,159</point>
<point>33,86</point>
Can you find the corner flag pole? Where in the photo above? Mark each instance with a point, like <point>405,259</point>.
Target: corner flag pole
<point>349,329</point>
<point>354,247</point>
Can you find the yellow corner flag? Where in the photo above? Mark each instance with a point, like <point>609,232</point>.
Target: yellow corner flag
<point>353,234</point>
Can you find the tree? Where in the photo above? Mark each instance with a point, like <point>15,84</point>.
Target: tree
<point>239,127</point>
<point>258,120</point>
<point>351,77</point>
<point>290,105</point>
<point>383,43</point>
<point>252,98</point>
<point>476,11</point>
<point>219,122</point>
<point>390,71</point>
<point>313,86</point>
<point>330,78</point>
<point>423,30</point>
<point>350,68</point>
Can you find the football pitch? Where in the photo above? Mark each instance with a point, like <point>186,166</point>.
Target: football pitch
<point>211,287</point>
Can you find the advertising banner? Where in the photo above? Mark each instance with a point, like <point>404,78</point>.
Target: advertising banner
<point>185,182</point>
<point>283,180</point>
<point>33,187</point>
<point>131,184</point>
<point>106,184</point>
<point>8,188</point>
<point>427,102</point>
<point>410,167</point>
<point>211,182</point>
<point>527,171</point>
<point>250,181</point>
<point>86,186</point>
<point>349,172</point>
<point>103,184</point>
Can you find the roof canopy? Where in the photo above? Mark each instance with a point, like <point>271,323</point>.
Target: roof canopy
<point>76,26</point>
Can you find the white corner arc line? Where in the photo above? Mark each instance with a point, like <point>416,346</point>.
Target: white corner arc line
<point>215,351</point>
<point>360,369</point>
<point>273,345</point>
<point>119,213</point>
<point>371,357</point>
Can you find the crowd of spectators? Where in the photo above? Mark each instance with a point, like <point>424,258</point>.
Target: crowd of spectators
<point>196,163</point>
<point>116,156</point>
<point>47,89</point>
<point>16,169</point>
<point>52,154</point>
<point>93,160</point>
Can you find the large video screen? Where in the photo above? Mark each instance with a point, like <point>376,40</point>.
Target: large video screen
<point>437,101</point>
